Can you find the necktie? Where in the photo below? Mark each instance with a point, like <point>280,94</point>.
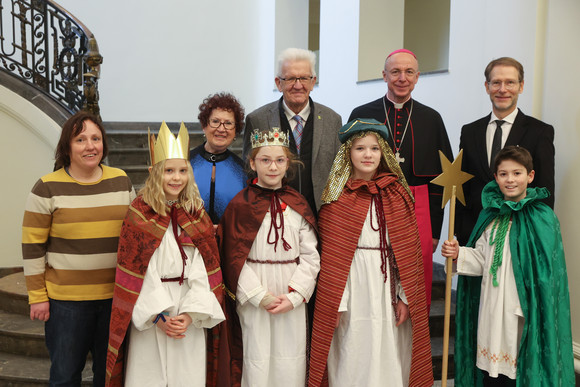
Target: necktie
<point>496,144</point>
<point>298,129</point>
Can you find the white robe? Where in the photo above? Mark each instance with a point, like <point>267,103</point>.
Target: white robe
<point>367,348</point>
<point>501,318</point>
<point>275,344</point>
<point>153,358</point>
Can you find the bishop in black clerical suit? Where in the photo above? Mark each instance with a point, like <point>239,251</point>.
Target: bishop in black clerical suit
<point>417,133</point>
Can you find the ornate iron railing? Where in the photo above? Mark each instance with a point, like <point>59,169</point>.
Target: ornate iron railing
<point>42,44</point>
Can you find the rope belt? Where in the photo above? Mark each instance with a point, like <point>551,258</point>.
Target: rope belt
<point>173,279</point>
<point>295,260</point>
<point>368,248</point>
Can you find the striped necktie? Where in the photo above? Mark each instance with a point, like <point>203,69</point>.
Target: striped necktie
<point>298,129</point>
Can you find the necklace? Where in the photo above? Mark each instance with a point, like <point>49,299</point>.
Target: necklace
<point>397,149</point>
<point>171,202</point>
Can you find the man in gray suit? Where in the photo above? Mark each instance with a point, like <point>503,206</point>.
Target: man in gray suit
<point>314,126</point>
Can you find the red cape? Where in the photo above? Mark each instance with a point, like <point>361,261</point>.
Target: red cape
<point>141,234</point>
<point>340,225</point>
<point>236,234</point>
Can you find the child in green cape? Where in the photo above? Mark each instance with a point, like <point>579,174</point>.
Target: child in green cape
<point>513,307</point>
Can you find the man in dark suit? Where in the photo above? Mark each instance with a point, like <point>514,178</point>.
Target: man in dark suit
<point>313,125</point>
<point>481,140</point>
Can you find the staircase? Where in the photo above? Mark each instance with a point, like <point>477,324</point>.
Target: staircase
<point>24,359</point>
<point>128,148</point>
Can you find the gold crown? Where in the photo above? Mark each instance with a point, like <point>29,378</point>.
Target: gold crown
<point>269,138</point>
<point>167,145</point>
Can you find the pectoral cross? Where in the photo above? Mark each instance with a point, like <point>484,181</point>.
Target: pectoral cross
<point>399,158</point>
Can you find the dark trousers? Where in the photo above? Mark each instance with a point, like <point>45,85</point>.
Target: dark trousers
<point>74,329</point>
<point>500,381</point>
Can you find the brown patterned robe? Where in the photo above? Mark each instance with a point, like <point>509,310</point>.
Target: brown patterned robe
<point>236,234</point>
<point>141,234</point>
<point>340,224</point>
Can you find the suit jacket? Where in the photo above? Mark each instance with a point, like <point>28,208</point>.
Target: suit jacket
<point>534,135</point>
<point>326,123</point>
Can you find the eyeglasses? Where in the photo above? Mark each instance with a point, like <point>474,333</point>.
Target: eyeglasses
<point>293,80</point>
<point>215,123</point>
<point>280,161</point>
<point>509,85</point>
<point>396,73</point>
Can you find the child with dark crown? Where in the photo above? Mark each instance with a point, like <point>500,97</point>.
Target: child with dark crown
<point>370,318</point>
<point>513,308</point>
<point>168,286</point>
<point>268,244</point>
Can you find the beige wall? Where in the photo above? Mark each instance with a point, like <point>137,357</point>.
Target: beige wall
<point>381,25</point>
<point>26,153</point>
<point>427,32</point>
<point>561,107</point>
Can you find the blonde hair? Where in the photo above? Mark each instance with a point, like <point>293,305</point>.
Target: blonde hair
<point>342,168</point>
<point>154,195</point>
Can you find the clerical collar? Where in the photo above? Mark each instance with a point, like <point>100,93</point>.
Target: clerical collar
<point>213,157</point>
<point>510,118</point>
<point>396,104</point>
<point>304,113</point>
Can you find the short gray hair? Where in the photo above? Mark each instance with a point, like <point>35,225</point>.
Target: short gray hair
<point>296,54</point>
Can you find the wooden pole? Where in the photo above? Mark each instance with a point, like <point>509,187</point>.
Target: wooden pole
<point>449,267</point>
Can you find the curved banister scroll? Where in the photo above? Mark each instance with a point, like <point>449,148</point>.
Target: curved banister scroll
<point>44,45</point>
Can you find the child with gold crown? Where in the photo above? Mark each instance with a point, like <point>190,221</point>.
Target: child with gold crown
<point>168,286</point>
<point>268,244</point>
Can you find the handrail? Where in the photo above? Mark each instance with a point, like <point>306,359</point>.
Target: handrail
<point>47,47</point>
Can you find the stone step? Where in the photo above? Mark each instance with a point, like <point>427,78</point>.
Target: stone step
<point>140,156</point>
<point>450,383</point>
<point>129,150</point>
<point>437,319</point>
<point>437,357</point>
<point>438,286</point>
<point>438,290</point>
<point>137,173</point>
<point>119,157</point>
<point>134,134</point>
<point>13,295</point>
<point>21,336</point>
<point>26,371</point>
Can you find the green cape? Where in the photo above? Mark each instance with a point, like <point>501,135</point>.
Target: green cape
<point>545,355</point>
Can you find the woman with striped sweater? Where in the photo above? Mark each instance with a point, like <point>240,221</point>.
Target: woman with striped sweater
<point>70,233</point>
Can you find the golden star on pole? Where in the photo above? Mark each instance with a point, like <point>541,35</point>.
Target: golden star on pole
<point>452,175</point>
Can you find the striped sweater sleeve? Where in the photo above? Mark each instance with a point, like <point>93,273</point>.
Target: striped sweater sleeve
<point>35,231</point>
